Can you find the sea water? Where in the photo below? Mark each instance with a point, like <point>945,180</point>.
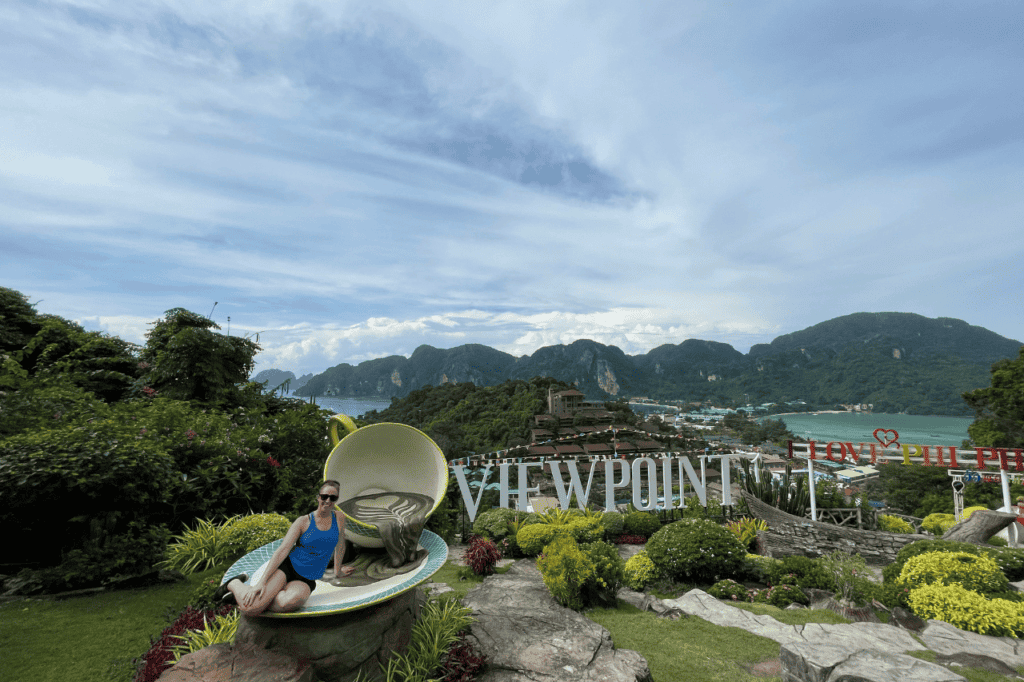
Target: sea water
<point>353,407</point>
<point>858,427</point>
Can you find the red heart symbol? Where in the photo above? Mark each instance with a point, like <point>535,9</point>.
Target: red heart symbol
<point>890,441</point>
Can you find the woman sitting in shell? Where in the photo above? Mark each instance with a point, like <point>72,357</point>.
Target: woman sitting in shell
<point>296,565</point>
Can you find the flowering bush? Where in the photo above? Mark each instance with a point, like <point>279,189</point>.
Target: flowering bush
<point>696,550</point>
<point>728,589</point>
<point>639,571</point>
<point>780,596</point>
<point>968,610</point>
<point>845,568</point>
<point>976,573</point>
<point>482,555</point>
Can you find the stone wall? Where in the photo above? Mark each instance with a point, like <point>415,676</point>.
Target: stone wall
<point>815,539</point>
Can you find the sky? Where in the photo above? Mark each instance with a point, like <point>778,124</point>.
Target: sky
<point>351,180</point>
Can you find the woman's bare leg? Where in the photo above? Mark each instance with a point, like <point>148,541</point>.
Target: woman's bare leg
<point>290,598</point>
<point>270,589</point>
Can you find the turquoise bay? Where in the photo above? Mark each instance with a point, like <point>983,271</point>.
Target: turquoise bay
<point>859,428</point>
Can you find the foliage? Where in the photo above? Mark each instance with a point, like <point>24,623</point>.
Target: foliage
<point>696,550</point>
<point>201,548</point>
<point>630,540</point>
<point>968,610</point>
<point>780,596</point>
<point>221,629</point>
<point>613,523</point>
<point>161,652</point>
<point>808,573</point>
<point>970,510</point>
<point>845,569</point>
<point>245,534</point>
<point>532,539</point>
<point>782,493</point>
<point>609,573</point>
<point>908,489</point>
<point>999,409</point>
<point>482,555</point>
<point>186,360</point>
<point>438,629</point>
<point>639,571</point>
<point>1010,560</point>
<point>894,524</point>
<point>761,568</point>
<point>729,589</point>
<point>641,523</point>
<point>586,529</point>
<point>493,523</point>
<point>202,596</point>
<point>463,662</point>
<point>443,521</point>
<point>746,530</point>
<point>566,569</point>
<point>976,573</point>
<point>938,524</point>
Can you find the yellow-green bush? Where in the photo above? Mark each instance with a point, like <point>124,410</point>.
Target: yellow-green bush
<point>586,529</point>
<point>245,534</point>
<point>566,569</point>
<point>938,524</point>
<point>532,539</point>
<point>968,610</point>
<point>894,524</point>
<point>640,571</point>
<point>970,510</point>
<point>980,574</point>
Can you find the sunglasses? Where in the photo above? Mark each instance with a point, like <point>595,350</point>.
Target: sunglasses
<point>332,498</point>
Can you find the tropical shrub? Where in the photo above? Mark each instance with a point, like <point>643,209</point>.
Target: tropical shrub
<point>199,549</point>
<point>894,524</point>
<point>245,534</point>
<point>202,597</point>
<point>808,573</point>
<point>696,550</point>
<point>566,569</point>
<point>161,652</point>
<point>493,523</point>
<point>613,523</point>
<point>996,541</point>
<point>609,573</point>
<point>482,555</point>
<point>641,523</point>
<point>972,572</point>
<point>728,589</point>
<point>746,530</point>
<point>639,571</point>
<point>938,524</point>
<point>968,610</point>
<point>221,629</point>
<point>761,568</point>
<point>1010,560</point>
<point>463,662</point>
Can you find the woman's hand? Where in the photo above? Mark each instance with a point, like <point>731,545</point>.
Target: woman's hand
<point>253,596</point>
<point>347,570</point>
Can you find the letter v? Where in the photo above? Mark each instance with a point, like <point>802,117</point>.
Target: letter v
<point>467,496</point>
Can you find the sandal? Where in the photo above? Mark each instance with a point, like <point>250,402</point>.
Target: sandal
<point>223,594</point>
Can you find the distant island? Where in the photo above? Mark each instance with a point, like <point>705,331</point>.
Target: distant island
<point>895,362</point>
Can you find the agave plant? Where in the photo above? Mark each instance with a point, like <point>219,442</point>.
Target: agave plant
<point>555,516</point>
<point>790,498</point>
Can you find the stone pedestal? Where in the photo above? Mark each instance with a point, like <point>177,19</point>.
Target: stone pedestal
<point>339,646</point>
<point>302,649</point>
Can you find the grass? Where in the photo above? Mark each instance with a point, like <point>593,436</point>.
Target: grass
<point>972,674</point>
<point>93,638</point>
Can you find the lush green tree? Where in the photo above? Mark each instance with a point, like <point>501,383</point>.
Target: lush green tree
<point>910,489</point>
<point>999,409</point>
<point>185,359</point>
<point>18,320</point>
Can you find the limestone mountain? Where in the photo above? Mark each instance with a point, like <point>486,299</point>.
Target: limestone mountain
<point>895,361</point>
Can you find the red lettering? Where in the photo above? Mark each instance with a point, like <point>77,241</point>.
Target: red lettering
<point>842,451</point>
<point>1018,458</point>
<point>857,454</point>
<point>952,457</point>
<point>790,447</point>
<point>810,449</point>
<point>982,457</point>
<point>1003,465</point>
<point>926,458</point>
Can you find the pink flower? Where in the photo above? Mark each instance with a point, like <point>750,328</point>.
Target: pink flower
<point>272,462</point>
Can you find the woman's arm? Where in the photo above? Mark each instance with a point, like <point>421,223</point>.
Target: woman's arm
<point>339,549</point>
<point>298,527</point>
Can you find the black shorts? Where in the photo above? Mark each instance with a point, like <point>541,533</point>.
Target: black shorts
<point>290,574</point>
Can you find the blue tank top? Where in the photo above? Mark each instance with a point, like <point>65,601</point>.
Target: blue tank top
<point>313,550</point>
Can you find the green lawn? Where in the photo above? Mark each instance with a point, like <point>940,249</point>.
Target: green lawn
<point>93,638</point>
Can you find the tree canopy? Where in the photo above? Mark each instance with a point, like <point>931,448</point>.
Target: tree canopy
<point>999,409</point>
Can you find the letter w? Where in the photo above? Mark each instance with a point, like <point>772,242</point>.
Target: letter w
<point>582,496</point>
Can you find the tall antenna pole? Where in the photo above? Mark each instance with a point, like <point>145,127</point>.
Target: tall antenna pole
<point>229,325</point>
<point>210,316</point>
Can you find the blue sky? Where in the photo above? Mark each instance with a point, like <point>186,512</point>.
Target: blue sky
<point>351,180</point>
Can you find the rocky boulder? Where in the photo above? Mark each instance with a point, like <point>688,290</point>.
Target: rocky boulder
<point>526,635</point>
<point>245,663</point>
